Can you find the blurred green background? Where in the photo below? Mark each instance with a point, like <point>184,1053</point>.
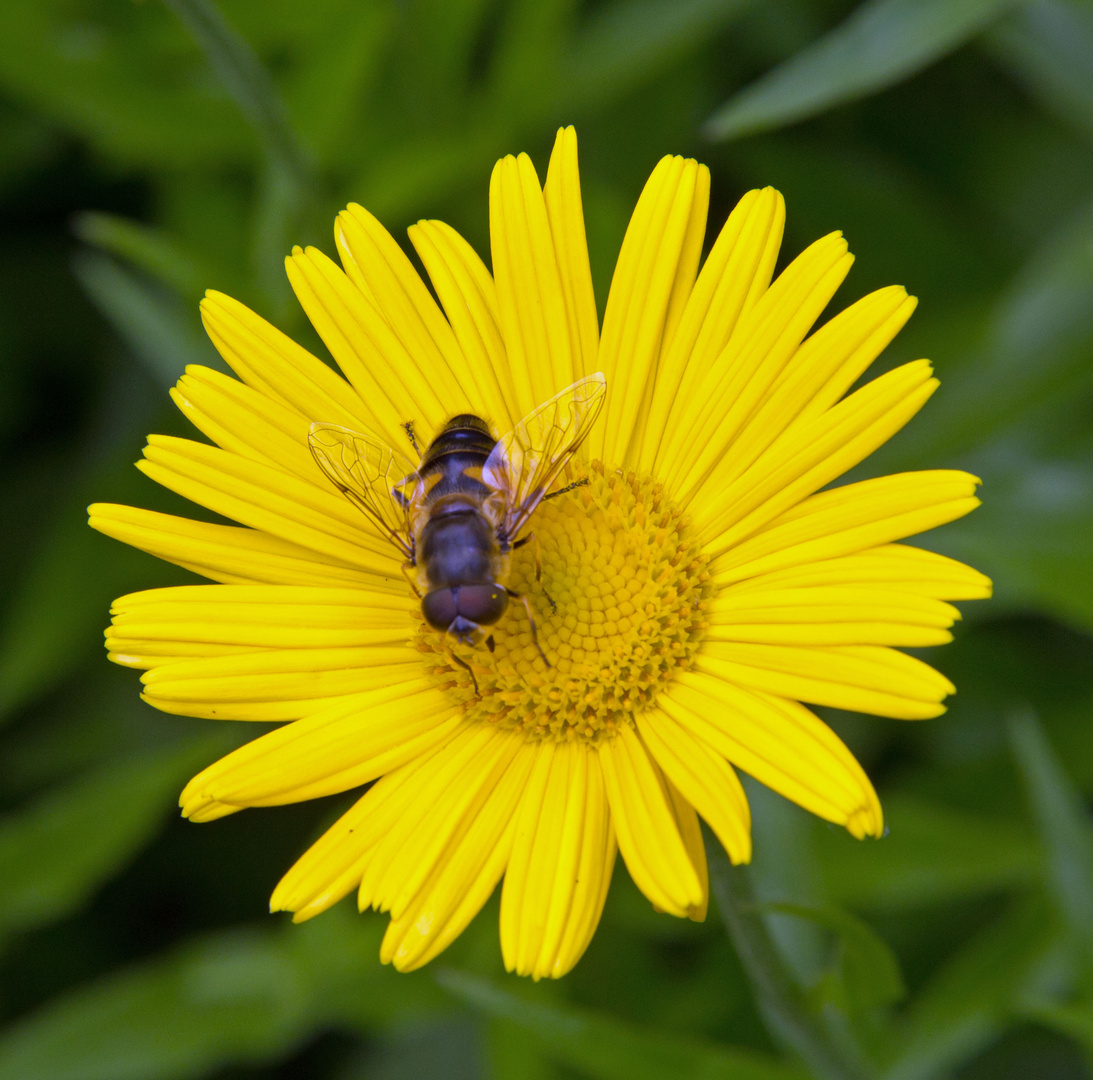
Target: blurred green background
<point>150,150</point>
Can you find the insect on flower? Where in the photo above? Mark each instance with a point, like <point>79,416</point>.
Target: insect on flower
<point>711,583</point>
<point>458,516</point>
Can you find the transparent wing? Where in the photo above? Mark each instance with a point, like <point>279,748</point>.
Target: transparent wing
<point>375,478</point>
<point>526,462</point>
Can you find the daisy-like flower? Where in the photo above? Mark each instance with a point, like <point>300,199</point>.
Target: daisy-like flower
<point>707,581</point>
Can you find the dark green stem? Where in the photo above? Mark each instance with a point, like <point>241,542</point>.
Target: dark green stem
<point>247,82</point>
<point>781,1001</point>
<point>288,181</point>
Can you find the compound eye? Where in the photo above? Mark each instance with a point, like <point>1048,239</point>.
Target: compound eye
<point>482,604</point>
<point>439,608</point>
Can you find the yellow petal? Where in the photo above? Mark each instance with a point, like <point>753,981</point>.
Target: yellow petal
<point>390,381</point>
<point>333,865</point>
<point>597,862</point>
<point>463,878</point>
<point>809,455</point>
<point>308,606</point>
<point>762,343</point>
<point>230,554</point>
<point>554,892</point>
<point>704,779</point>
<point>862,678</point>
<point>691,832</point>
<point>179,621</point>
<point>644,822</point>
<point>830,615</point>
<point>267,498</point>
<point>653,277</point>
<point>276,367</point>
<point>781,744</point>
<point>562,192</point>
<point>274,684</point>
<point>850,519</point>
<point>532,307</point>
<point>897,567</point>
<point>376,264</point>
<point>450,789</point>
<point>734,276</point>
<point>244,421</point>
<point>813,380</point>
<point>334,750</point>
<point>469,296</point>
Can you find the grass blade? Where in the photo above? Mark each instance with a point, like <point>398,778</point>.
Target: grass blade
<point>881,43</point>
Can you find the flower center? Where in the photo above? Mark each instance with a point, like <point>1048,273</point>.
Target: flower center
<point>629,584</point>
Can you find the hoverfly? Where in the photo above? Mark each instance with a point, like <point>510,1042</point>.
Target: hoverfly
<point>457,517</point>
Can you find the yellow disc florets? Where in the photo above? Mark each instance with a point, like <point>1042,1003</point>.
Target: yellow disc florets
<point>629,585</point>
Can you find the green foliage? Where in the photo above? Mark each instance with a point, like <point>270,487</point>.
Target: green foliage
<point>151,150</point>
<point>56,851</point>
<point>239,996</point>
<point>881,43</point>
<point>969,1001</point>
<point>866,971</point>
<point>608,1050</point>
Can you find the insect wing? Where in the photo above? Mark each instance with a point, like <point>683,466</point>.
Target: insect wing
<point>526,462</point>
<point>375,478</point>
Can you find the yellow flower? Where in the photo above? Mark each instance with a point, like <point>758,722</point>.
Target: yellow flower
<point>706,580</point>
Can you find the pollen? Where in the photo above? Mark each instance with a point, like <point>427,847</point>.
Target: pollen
<point>629,586</point>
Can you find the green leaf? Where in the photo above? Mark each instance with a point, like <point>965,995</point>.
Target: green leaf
<point>609,1049</point>
<point>287,183</point>
<point>26,143</point>
<point>238,997</point>
<point>327,94</point>
<point>1075,1021</point>
<point>147,248</point>
<point>789,1014</point>
<point>966,1005</point>
<point>153,324</point>
<point>247,82</point>
<point>881,43</point>
<point>234,998</point>
<point>870,969</point>
<point>445,1049</point>
<point>122,77</point>
<point>1035,351</point>
<point>1034,532</point>
<point>1064,825</point>
<point>53,620</point>
<point>57,850</point>
<point>516,1057</point>
<point>785,867</point>
<point>1048,45</point>
<point>1014,409</point>
<point>930,853</point>
<point>627,41</point>
<point>529,46</point>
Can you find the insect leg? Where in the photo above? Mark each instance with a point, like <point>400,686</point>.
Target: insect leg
<point>405,568</point>
<point>408,427</point>
<point>567,488</point>
<point>531,619</point>
<point>538,567</point>
<point>464,664</point>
